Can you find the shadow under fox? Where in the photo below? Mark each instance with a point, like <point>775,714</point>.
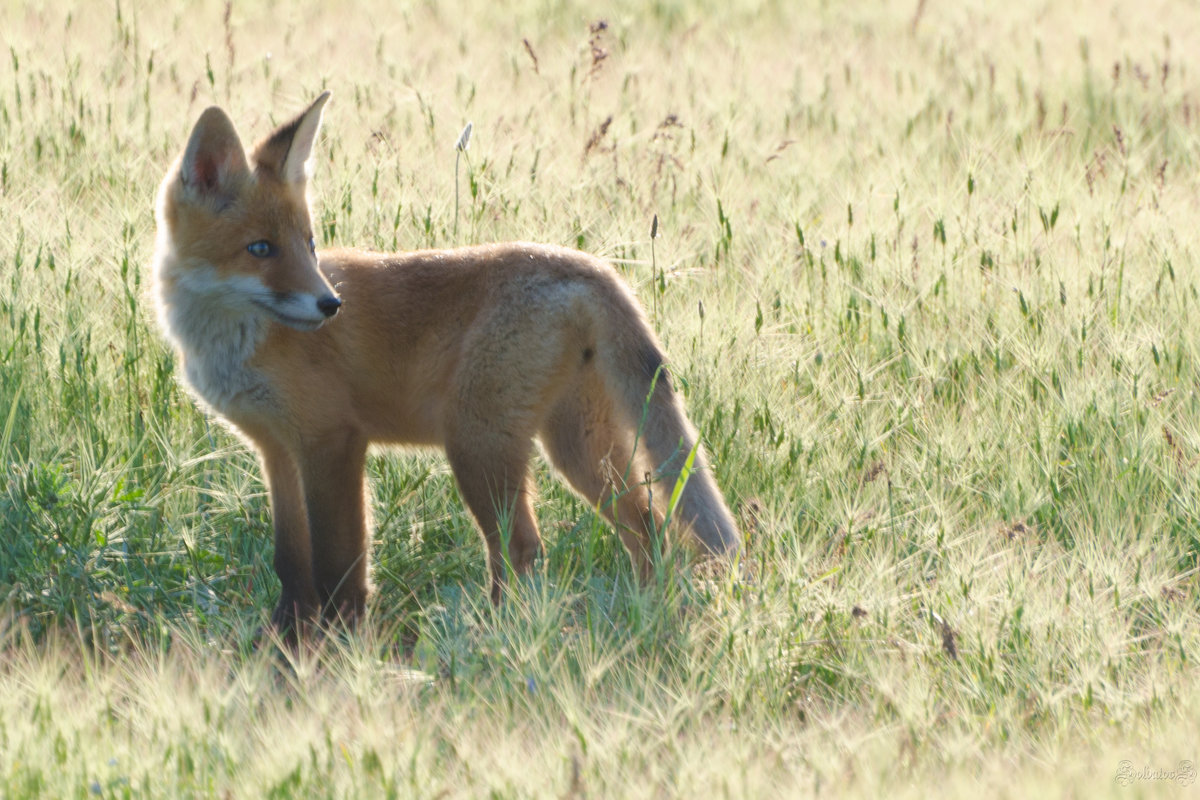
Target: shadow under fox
<point>478,350</point>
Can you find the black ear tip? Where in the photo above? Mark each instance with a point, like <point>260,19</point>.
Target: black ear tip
<point>213,114</point>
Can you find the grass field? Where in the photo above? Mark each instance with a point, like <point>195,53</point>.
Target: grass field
<point>927,273</point>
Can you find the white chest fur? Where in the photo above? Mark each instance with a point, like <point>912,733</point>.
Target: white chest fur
<point>217,368</point>
<point>216,341</point>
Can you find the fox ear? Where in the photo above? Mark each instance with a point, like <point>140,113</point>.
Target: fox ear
<point>287,150</point>
<point>214,160</point>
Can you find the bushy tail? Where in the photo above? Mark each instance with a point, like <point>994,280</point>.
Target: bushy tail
<point>645,393</point>
<point>675,450</point>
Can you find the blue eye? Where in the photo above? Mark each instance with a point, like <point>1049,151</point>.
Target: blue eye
<point>261,249</point>
<point>312,245</point>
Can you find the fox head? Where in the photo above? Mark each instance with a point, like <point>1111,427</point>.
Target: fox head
<point>234,230</point>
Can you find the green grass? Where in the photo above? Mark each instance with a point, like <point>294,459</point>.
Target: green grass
<point>927,277</point>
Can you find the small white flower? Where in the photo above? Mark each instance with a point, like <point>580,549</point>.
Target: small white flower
<point>464,138</point>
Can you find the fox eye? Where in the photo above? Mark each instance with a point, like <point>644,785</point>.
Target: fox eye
<point>261,249</point>
<point>312,245</point>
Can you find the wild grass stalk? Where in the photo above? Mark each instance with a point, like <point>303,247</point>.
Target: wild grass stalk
<point>940,297</point>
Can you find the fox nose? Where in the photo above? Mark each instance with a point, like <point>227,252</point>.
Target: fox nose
<point>329,305</point>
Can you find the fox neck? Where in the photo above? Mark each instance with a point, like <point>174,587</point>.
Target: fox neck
<point>216,341</point>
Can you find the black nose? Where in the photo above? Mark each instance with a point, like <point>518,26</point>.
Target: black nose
<point>329,305</point>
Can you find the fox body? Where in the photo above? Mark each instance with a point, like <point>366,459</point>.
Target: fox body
<point>478,350</point>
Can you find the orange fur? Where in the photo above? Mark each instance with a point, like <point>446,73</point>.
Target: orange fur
<point>478,350</point>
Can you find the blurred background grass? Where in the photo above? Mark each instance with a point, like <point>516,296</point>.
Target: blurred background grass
<point>926,273</point>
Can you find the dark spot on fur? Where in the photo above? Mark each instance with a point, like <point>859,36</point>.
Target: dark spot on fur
<point>654,366</point>
<point>587,354</point>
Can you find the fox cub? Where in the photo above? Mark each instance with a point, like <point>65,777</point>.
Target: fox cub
<point>312,356</point>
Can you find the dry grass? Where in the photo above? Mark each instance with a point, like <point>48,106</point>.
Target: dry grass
<point>926,271</point>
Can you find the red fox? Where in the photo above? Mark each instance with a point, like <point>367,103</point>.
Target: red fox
<point>480,350</point>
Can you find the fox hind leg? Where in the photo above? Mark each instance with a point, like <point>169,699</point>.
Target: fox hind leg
<point>492,478</point>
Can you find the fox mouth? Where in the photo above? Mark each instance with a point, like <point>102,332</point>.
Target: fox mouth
<point>297,323</point>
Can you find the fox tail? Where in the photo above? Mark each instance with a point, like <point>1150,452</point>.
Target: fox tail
<point>643,390</point>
